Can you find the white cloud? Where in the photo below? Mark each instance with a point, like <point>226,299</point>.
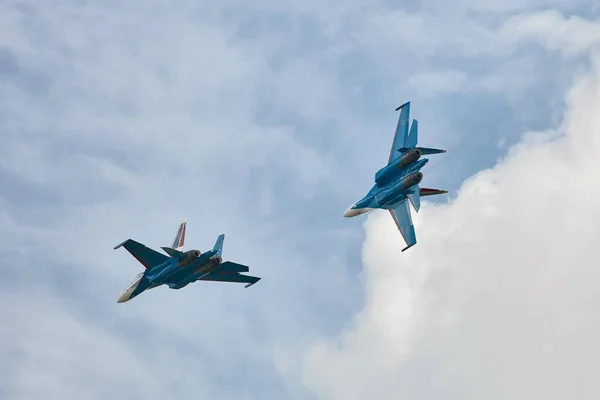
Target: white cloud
<point>432,83</point>
<point>500,6</point>
<point>570,36</point>
<point>499,298</point>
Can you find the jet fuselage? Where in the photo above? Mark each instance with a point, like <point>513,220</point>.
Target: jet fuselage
<point>193,262</point>
<point>397,184</point>
<point>397,178</point>
<point>400,166</point>
<point>179,268</point>
<point>174,273</point>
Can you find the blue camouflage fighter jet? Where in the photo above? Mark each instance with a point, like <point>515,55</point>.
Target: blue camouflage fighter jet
<point>180,268</point>
<point>398,182</point>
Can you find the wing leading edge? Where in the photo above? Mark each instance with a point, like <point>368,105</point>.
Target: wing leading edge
<point>145,255</point>
<point>401,215</point>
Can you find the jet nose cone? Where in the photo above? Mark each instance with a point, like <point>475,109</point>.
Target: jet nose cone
<point>123,298</point>
<point>351,212</point>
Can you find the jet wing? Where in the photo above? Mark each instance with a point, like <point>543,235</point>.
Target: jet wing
<point>145,255</point>
<point>401,136</point>
<point>229,267</point>
<point>218,276</point>
<point>402,218</point>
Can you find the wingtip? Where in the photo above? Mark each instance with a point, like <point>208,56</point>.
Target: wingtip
<point>407,247</point>
<point>403,105</point>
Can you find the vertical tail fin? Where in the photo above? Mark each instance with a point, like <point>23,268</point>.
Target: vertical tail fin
<point>415,197</point>
<point>219,244</point>
<point>180,237</point>
<point>413,136</point>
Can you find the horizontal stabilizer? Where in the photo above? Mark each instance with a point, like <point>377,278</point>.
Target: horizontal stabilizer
<point>431,192</point>
<point>172,252</point>
<point>424,150</point>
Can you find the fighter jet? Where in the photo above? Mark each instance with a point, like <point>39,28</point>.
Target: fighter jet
<point>179,268</point>
<point>398,182</point>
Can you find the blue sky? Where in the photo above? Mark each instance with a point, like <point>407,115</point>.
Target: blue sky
<point>262,121</point>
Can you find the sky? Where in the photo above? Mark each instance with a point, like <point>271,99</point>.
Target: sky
<point>265,121</point>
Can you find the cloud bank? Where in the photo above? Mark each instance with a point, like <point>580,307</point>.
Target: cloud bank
<point>500,298</point>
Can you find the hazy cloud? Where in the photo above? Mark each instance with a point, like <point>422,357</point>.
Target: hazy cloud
<point>263,121</point>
